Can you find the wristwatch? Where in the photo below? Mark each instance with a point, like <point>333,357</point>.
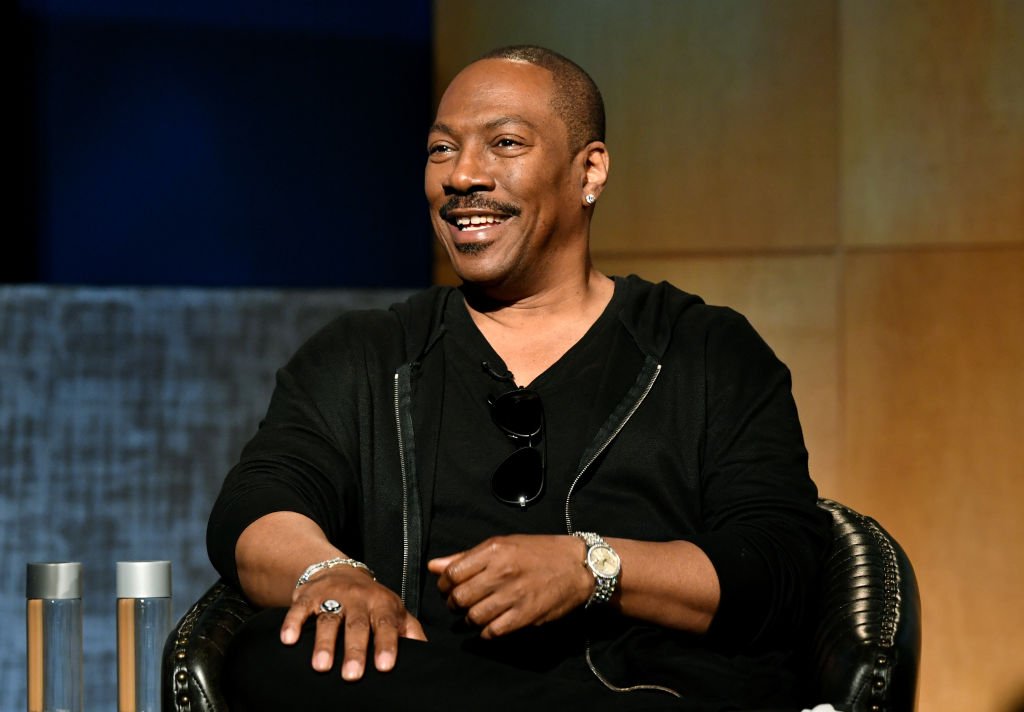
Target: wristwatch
<point>604,563</point>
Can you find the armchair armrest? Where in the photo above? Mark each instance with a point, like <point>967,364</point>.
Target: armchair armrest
<point>194,652</point>
<point>866,642</point>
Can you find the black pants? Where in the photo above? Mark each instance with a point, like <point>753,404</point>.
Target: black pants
<point>263,674</point>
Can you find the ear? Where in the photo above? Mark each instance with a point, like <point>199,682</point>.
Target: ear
<point>595,169</point>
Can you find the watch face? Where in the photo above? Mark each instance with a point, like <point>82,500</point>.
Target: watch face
<point>603,561</point>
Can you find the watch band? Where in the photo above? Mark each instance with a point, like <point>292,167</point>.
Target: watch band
<point>605,580</point>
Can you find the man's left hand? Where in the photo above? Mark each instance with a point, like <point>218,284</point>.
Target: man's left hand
<point>509,582</point>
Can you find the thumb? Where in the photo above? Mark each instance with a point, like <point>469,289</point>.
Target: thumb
<point>438,565</point>
<point>411,628</point>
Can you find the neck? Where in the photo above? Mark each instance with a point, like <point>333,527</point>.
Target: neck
<point>532,333</point>
<point>586,293</point>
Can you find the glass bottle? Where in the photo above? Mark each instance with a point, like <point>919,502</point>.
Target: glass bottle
<point>53,614</point>
<point>143,622</point>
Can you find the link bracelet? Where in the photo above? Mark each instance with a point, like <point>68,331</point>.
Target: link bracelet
<point>330,564</point>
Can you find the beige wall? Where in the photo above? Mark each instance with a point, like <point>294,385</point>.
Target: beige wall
<point>850,175</point>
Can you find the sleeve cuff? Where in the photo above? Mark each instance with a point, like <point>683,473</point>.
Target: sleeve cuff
<point>742,605</point>
<point>228,522</point>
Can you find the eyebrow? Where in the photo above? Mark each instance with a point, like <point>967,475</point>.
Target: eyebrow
<point>511,119</point>
<point>498,122</point>
<point>440,128</point>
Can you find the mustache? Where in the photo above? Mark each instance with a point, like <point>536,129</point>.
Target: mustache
<point>476,201</point>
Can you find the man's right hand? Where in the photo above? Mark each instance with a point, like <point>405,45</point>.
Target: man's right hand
<point>367,607</point>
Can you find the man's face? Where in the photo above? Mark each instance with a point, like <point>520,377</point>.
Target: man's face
<point>504,191</point>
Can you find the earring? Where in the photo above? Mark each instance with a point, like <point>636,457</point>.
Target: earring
<point>590,198</point>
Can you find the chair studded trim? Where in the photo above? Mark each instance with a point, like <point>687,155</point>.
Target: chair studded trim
<point>891,612</point>
<point>867,641</point>
<point>179,656</point>
<point>194,651</point>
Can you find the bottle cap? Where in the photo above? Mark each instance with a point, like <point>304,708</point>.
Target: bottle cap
<point>53,580</point>
<point>143,579</point>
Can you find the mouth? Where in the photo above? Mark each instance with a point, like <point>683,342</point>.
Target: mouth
<point>475,213</point>
<point>471,223</point>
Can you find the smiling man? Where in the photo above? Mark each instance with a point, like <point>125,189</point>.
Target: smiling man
<point>547,487</point>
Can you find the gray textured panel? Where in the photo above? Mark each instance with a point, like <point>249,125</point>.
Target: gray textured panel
<point>120,412</point>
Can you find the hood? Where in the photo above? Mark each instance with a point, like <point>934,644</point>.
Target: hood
<point>651,310</point>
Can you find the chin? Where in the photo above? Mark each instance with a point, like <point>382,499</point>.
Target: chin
<point>471,248</point>
<point>476,274</point>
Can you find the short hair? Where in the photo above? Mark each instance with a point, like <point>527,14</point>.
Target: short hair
<point>577,100</point>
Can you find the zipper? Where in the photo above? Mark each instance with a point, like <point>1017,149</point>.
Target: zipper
<point>604,445</point>
<point>568,525</point>
<point>405,495</point>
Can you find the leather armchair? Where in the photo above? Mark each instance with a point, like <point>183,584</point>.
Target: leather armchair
<point>862,654</point>
<point>865,645</point>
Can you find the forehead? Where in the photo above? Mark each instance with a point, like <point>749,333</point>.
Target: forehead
<point>492,89</point>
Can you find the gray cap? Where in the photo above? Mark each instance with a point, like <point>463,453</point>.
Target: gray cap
<point>53,580</point>
<point>143,579</point>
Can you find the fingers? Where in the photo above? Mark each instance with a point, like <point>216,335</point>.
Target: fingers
<point>367,608</point>
<point>470,576</point>
<point>495,615</point>
<point>443,568</point>
<point>357,638</point>
<point>327,626</point>
<point>386,631</point>
<point>385,643</point>
<point>509,582</point>
<point>464,596</point>
<point>293,620</point>
<point>456,568</point>
<point>469,563</point>
<point>500,625</point>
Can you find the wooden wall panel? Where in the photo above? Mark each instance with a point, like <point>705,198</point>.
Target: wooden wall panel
<point>793,304</point>
<point>721,115</point>
<point>932,122</point>
<point>849,175</point>
<point>934,415</point>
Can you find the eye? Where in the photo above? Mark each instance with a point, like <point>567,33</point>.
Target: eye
<point>438,152</point>
<point>507,142</point>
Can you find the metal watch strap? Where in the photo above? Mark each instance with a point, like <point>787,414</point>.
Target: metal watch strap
<point>330,564</point>
<point>604,588</point>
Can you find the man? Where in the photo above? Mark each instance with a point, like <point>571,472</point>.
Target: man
<point>634,530</point>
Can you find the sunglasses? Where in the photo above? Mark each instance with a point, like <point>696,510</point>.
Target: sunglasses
<point>519,479</point>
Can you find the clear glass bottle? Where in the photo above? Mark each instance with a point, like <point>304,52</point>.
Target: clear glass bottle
<point>53,614</point>
<point>143,622</point>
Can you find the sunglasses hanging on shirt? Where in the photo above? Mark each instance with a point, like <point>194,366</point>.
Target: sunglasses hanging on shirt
<point>519,479</point>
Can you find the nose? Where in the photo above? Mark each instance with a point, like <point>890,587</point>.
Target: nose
<point>469,173</point>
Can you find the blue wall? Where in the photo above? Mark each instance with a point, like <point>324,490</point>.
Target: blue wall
<point>194,142</point>
<point>121,410</point>
<point>223,143</point>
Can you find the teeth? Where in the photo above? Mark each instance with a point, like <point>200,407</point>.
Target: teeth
<point>478,221</point>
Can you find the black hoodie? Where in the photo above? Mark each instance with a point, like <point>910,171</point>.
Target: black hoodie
<point>708,438</point>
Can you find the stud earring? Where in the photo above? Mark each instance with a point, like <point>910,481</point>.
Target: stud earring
<point>590,198</point>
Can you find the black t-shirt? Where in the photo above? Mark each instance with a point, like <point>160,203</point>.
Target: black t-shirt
<point>575,392</point>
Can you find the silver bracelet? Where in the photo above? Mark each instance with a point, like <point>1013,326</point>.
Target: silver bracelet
<point>330,564</point>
